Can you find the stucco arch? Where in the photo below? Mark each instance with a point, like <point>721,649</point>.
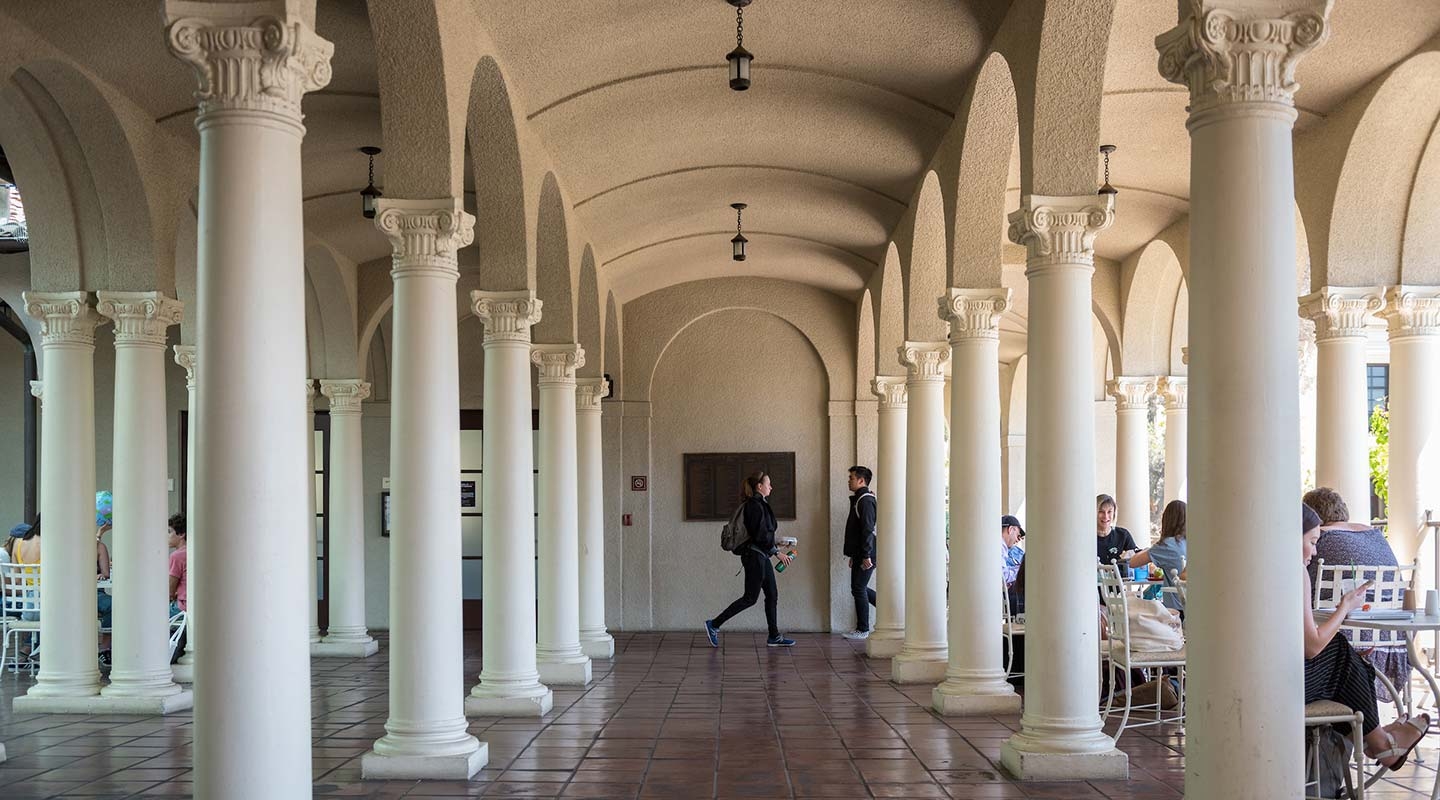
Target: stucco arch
<point>588,314</point>
<point>614,352</point>
<point>924,266</point>
<point>499,183</point>
<point>1153,283</point>
<point>864,346</point>
<point>890,315</point>
<point>1105,349</point>
<point>187,265</point>
<point>655,319</point>
<point>339,355</point>
<point>1017,391</point>
<point>553,283</point>
<point>1420,253</point>
<point>991,127</point>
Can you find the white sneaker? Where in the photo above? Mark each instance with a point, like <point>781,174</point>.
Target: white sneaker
<point>857,635</point>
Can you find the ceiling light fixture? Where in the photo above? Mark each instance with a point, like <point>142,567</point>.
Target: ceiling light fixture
<point>370,196</point>
<point>739,58</point>
<point>737,245</point>
<point>1106,188</point>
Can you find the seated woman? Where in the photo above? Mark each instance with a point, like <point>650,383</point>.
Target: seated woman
<point>1346,542</point>
<point>1335,672</point>
<point>1170,552</point>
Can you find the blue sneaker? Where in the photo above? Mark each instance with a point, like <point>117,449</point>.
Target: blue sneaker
<point>712,633</point>
<point>780,641</point>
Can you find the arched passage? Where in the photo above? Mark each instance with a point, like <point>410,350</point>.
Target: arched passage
<point>991,131</point>
<point>552,268</point>
<point>588,314</point>
<point>499,182</point>
<point>925,265</point>
<point>890,315</point>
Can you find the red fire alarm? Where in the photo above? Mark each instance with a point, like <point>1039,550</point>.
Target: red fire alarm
<point>625,520</point>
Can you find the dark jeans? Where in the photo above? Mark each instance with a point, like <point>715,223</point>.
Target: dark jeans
<point>863,594</point>
<point>759,574</point>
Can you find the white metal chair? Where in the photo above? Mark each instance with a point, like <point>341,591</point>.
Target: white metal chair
<point>1176,586</point>
<point>1013,625</point>
<point>1123,658</point>
<point>1320,715</point>
<point>19,609</point>
<point>177,629</point>
<point>1391,583</point>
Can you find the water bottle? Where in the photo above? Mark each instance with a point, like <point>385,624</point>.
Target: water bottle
<point>789,544</point>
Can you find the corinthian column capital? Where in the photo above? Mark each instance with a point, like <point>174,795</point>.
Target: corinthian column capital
<point>1176,392</point>
<point>310,396</point>
<point>974,313</point>
<point>1229,53</point>
<point>345,395</point>
<point>892,392</point>
<point>424,235</point>
<point>66,318</point>
<point>140,317</point>
<point>249,56</point>
<point>925,361</point>
<point>1131,394</point>
<point>1413,310</point>
<point>557,362</point>
<point>589,392</point>
<point>187,357</point>
<point>1341,313</point>
<point>1060,231</point>
<point>37,391</point>
<point>507,315</point>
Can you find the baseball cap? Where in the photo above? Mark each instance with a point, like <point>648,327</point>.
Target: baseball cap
<point>19,530</point>
<point>1008,520</point>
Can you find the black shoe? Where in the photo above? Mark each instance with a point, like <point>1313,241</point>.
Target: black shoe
<point>104,658</point>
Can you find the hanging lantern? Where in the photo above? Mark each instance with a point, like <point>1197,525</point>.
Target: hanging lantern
<point>370,196</point>
<point>1106,188</point>
<point>739,58</point>
<point>737,245</point>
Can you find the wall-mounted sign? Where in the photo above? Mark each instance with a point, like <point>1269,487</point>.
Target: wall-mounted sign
<point>639,483</point>
<point>467,494</point>
<point>712,483</point>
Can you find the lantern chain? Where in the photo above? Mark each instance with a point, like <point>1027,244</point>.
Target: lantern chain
<point>739,26</point>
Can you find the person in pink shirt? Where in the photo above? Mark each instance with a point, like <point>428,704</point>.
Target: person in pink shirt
<point>177,564</point>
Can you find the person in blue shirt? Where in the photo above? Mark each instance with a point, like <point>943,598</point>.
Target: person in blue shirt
<point>1010,535</point>
<point>1169,554</point>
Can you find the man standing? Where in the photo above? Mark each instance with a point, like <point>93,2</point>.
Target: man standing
<point>1010,535</point>
<point>860,548</point>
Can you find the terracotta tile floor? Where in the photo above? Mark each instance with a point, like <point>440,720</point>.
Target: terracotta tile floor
<point>669,718</point>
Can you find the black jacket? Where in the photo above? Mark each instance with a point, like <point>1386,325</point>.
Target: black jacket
<point>860,525</point>
<point>760,524</point>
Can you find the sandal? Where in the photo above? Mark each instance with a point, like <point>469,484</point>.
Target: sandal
<point>1401,756</point>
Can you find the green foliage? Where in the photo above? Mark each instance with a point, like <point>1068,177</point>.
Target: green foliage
<point>1380,452</point>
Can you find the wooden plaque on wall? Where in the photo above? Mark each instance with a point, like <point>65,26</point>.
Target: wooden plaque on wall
<point>712,483</point>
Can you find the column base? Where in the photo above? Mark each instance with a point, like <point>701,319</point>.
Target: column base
<point>326,648</point>
<point>533,701</point>
<point>1024,765</point>
<point>601,645</point>
<point>965,702</point>
<point>884,644</point>
<point>182,673</point>
<point>927,667</point>
<point>458,767</point>
<point>106,704</point>
<point>571,671</point>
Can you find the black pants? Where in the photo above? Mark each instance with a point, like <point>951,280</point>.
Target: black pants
<point>863,594</point>
<point>1341,675</point>
<point>759,574</point>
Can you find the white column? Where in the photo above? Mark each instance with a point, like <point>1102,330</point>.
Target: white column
<point>1060,736</point>
<point>1414,479</point>
<point>509,680</point>
<point>312,575</point>
<point>559,659</point>
<point>888,633</point>
<point>1238,60</point>
<point>69,679</point>
<point>975,678</point>
<point>184,670</point>
<point>1175,392</point>
<point>1342,418</point>
<point>255,62</point>
<point>346,635</point>
<point>922,657</point>
<point>426,733</point>
<point>1132,454</point>
<point>590,503</point>
<point>140,680</point>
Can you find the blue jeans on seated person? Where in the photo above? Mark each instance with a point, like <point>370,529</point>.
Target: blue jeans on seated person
<point>103,602</point>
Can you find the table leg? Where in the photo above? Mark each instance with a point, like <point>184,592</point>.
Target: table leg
<point>1419,665</point>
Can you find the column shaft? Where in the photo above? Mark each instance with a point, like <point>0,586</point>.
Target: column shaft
<point>509,679</point>
<point>184,670</point>
<point>426,734</point>
<point>888,634</point>
<point>559,658</point>
<point>346,635</point>
<point>975,676</point>
<point>1414,421</point>
<point>69,673</point>
<point>595,640</point>
<point>1239,66</point>
<point>1342,441</point>
<point>312,553</point>
<point>1132,454</point>
<point>922,658</point>
<point>1060,736</point>
<point>1175,391</point>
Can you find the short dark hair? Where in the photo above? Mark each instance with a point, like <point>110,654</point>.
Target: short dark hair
<point>863,473</point>
<point>177,524</point>
<point>1328,504</point>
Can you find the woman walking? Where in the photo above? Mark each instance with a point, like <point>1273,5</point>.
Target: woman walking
<point>755,559</point>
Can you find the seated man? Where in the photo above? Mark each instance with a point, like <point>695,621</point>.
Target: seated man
<point>1010,535</point>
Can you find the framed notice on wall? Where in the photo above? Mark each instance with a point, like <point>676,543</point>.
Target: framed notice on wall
<point>712,483</point>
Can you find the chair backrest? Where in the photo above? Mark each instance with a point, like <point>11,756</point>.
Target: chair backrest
<point>1178,585</point>
<point>1388,592</point>
<point>19,589</point>
<point>1113,592</point>
<point>177,628</point>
